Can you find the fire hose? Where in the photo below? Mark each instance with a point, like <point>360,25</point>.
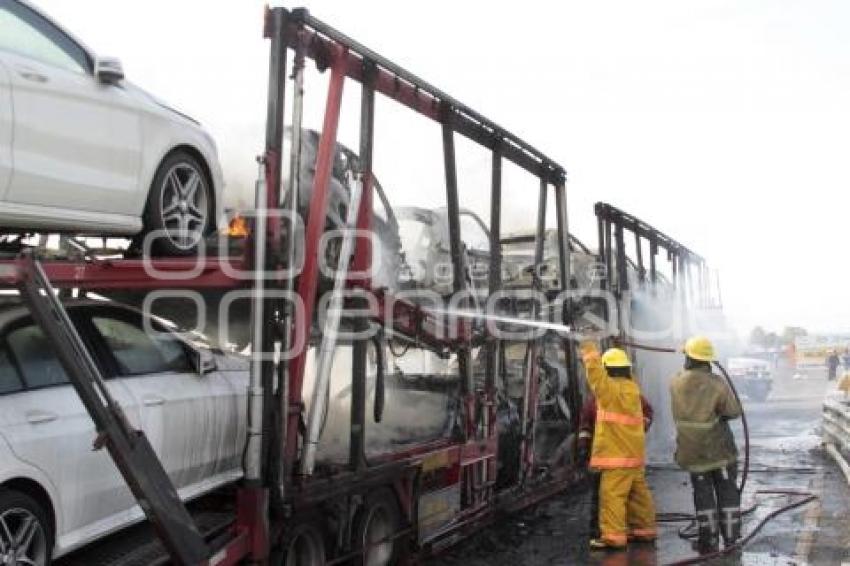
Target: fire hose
<point>807,497</point>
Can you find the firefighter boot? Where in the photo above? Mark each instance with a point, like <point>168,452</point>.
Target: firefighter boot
<point>708,538</point>
<point>729,500</point>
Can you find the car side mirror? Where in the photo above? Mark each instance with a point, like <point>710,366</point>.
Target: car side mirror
<point>203,361</point>
<point>108,70</point>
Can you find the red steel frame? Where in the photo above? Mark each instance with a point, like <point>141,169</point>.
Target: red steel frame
<point>474,457</point>
<point>116,274</point>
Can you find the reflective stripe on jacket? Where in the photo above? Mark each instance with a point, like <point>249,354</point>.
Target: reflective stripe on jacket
<point>702,404</point>
<point>618,438</point>
<point>587,417</point>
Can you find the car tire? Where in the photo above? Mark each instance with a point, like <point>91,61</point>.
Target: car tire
<point>23,518</point>
<point>179,210</point>
<point>379,520</point>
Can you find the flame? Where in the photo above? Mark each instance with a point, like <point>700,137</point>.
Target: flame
<point>238,227</point>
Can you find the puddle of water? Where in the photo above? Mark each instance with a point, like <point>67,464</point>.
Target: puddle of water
<point>766,559</point>
<point>806,441</point>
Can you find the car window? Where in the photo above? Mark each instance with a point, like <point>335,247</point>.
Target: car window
<point>28,34</point>
<point>10,381</point>
<point>138,352</point>
<point>34,354</point>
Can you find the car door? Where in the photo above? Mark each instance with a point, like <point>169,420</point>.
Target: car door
<point>5,130</point>
<point>77,141</point>
<point>189,418</point>
<point>46,425</point>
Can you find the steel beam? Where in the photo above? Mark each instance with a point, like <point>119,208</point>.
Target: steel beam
<point>362,263</point>
<point>458,265</point>
<point>540,231</point>
<point>309,279</point>
<point>639,254</point>
<point>495,274</point>
<point>137,274</point>
<point>564,256</point>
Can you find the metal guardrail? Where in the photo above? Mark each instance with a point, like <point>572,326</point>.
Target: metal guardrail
<point>836,421</point>
<point>836,429</point>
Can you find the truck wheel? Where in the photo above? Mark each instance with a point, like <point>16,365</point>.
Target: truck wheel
<point>303,545</point>
<point>376,530</point>
<point>26,535</point>
<point>180,205</point>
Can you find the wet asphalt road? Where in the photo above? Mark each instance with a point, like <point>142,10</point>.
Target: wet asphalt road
<point>786,453</point>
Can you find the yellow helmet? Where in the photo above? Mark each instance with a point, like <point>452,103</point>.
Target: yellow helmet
<point>616,358</point>
<point>700,348</point>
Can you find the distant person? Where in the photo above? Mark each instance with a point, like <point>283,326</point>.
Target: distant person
<point>626,508</point>
<point>832,366</point>
<point>586,428</point>
<point>845,359</point>
<point>702,405</point>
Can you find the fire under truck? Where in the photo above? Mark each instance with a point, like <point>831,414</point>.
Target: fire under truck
<point>512,403</point>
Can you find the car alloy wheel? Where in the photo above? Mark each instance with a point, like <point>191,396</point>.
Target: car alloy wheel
<point>23,541</point>
<point>184,205</point>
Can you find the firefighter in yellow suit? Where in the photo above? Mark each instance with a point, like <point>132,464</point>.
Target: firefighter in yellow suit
<point>626,508</point>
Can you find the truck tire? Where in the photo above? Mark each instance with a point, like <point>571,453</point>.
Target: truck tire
<point>22,518</point>
<point>376,530</point>
<point>302,545</point>
<point>179,207</point>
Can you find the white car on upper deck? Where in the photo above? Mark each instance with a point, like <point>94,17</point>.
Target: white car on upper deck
<point>84,151</point>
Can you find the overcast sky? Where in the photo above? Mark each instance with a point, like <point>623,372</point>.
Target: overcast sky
<point>723,123</point>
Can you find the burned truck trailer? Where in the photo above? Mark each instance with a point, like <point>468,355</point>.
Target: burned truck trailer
<point>379,496</point>
<point>405,492</point>
<point>386,417</point>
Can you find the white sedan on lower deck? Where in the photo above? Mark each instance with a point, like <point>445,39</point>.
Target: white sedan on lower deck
<point>56,493</point>
<point>84,151</point>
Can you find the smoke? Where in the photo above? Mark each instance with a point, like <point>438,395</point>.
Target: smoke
<point>658,317</point>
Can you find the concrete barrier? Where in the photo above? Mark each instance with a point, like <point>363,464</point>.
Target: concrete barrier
<point>836,429</point>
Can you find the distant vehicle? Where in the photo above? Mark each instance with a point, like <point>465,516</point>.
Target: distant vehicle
<point>56,493</point>
<point>752,377</point>
<point>84,151</point>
